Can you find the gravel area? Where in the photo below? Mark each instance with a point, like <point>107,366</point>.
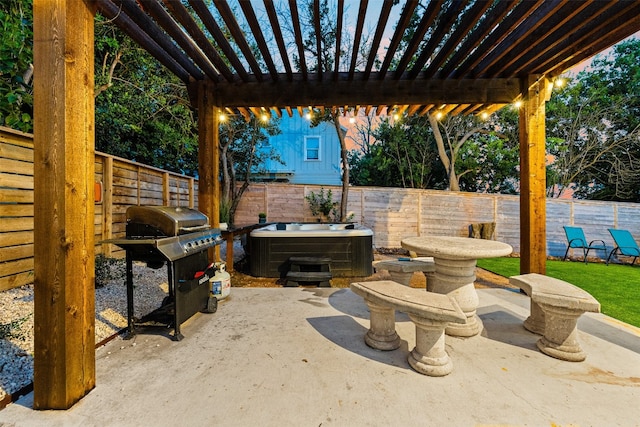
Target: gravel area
<point>16,320</point>
<point>16,317</point>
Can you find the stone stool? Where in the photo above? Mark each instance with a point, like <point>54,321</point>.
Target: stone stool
<point>402,269</point>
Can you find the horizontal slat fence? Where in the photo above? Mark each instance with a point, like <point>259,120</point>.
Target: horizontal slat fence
<point>396,213</point>
<point>123,183</point>
<point>392,213</point>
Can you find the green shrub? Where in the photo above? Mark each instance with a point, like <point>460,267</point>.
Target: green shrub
<point>322,205</point>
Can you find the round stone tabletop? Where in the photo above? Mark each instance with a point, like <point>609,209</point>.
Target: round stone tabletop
<point>456,247</point>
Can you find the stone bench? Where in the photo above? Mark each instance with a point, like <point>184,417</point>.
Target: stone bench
<point>555,308</point>
<point>402,269</point>
<point>429,312</point>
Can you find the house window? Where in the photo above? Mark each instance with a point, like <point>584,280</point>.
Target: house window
<point>312,148</point>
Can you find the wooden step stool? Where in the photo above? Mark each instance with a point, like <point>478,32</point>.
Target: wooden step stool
<point>308,270</point>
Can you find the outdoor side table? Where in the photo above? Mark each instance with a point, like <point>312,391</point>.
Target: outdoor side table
<point>455,259</point>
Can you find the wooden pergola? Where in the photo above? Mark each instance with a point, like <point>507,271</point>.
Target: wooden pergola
<point>465,57</point>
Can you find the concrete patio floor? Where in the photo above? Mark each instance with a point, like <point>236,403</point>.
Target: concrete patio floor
<point>296,357</point>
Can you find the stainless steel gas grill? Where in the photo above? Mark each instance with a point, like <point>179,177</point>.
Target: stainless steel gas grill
<point>179,237</point>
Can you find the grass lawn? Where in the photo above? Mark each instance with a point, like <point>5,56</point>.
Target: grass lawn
<point>615,286</point>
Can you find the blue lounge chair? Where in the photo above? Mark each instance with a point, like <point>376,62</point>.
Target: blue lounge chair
<point>625,245</point>
<point>577,240</point>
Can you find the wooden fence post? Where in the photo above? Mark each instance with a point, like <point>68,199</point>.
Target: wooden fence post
<point>192,187</point>
<point>166,193</point>
<point>107,203</point>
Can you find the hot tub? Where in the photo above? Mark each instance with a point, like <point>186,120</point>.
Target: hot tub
<point>350,247</point>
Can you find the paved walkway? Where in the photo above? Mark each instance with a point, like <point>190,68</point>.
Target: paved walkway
<point>296,357</point>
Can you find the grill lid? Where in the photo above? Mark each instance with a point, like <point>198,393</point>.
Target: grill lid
<point>168,220</point>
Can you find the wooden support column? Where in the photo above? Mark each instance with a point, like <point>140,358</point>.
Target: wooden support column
<point>533,227</point>
<point>64,275</point>
<point>208,160</point>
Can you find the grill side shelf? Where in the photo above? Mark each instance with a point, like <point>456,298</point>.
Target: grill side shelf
<point>171,248</point>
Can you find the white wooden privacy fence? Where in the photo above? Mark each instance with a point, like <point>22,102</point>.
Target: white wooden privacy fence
<point>392,213</point>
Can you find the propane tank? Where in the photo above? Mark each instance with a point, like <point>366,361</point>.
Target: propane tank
<point>220,282</point>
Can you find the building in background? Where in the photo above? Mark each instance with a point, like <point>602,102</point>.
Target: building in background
<point>311,155</point>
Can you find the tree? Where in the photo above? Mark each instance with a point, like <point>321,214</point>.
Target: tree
<point>243,151</point>
<point>403,155</point>
<point>593,129</point>
<point>491,157</point>
<point>486,157</point>
<point>363,130</point>
<point>143,111</point>
<point>16,65</point>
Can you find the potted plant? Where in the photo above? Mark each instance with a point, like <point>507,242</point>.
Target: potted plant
<point>262,218</point>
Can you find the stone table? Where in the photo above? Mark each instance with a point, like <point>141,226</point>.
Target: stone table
<point>455,260</point>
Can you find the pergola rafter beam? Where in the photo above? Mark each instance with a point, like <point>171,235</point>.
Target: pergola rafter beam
<point>571,17</point>
<point>340,17</point>
<point>499,33</point>
<point>458,39</point>
<point>238,36</point>
<point>162,17</point>
<point>247,9</point>
<point>382,22</point>
<point>131,28</point>
<point>577,48</point>
<point>295,20</point>
<point>362,11</point>
<point>533,21</point>
<point>131,8</point>
<point>468,22</point>
<point>304,92</point>
<point>496,14</point>
<point>445,23</point>
<point>401,27</point>
<point>425,23</point>
<point>277,32</point>
<point>210,24</point>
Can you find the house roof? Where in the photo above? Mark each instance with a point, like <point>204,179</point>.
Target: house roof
<point>463,57</point>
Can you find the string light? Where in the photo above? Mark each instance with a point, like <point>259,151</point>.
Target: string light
<point>517,104</point>
<point>484,115</point>
<point>222,117</point>
<point>559,82</point>
<point>439,115</point>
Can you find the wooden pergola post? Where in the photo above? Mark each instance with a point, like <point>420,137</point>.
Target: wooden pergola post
<point>64,274</point>
<point>533,217</point>
<point>208,160</point>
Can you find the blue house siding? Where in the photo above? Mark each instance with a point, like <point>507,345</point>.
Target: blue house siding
<point>324,166</point>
